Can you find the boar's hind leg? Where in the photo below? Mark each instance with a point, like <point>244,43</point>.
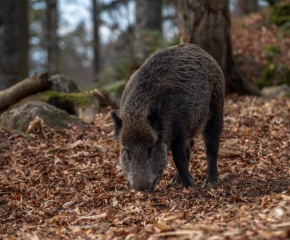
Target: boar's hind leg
<point>211,135</point>
<point>181,152</point>
<point>176,179</point>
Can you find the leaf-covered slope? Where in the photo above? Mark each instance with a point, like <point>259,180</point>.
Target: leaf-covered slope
<point>70,186</point>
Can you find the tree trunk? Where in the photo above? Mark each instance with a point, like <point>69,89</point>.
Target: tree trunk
<point>13,42</point>
<point>96,39</point>
<point>148,18</point>
<point>35,84</point>
<point>207,24</point>
<point>51,36</point>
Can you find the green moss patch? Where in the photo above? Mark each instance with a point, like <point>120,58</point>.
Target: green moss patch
<point>77,99</point>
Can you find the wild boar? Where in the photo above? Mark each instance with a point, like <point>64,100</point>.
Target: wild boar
<point>175,95</point>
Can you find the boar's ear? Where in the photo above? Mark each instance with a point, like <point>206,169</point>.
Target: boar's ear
<point>117,123</point>
<point>155,119</point>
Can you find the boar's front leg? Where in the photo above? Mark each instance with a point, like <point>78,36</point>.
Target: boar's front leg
<point>176,179</point>
<point>180,151</point>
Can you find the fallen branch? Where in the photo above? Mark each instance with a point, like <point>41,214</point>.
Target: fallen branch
<point>32,85</point>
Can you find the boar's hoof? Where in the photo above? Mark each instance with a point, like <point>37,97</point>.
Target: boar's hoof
<point>209,183</point>
<point>176,180</point>
<point>189,184</point>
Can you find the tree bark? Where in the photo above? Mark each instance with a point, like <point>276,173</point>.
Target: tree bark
<point>96,38</point>
<point>51,36</point>
<point>148,18</point>
<point>207,24</point>
<point>13,42</point>
<point>39,82</point>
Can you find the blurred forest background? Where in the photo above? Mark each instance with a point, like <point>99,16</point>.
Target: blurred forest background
<point>100,43</point>
<point>59,171</point>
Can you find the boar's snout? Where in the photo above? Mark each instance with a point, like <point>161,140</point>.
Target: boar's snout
<point>142,184</point>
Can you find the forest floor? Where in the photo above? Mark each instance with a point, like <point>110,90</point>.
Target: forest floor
<point>252,37</point>
<point>69,186</point>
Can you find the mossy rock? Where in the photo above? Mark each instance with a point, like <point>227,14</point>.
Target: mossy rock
<point>64,84</point>
<point>20,118</point>
<point>85,105</point>
<point>277,91</point>
<point>65,101</point>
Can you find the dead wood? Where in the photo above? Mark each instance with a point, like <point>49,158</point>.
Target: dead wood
<point>31,85</point>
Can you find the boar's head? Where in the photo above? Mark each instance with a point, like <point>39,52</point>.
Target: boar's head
<point>143,155</point>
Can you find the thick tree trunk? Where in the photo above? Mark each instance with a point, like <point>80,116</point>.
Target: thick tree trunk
<point>207,24</point>
<point>96,39</point>
<point>13,42</point>
<point>51,36</point>
<point>148,18</point>
<point>39,82</point>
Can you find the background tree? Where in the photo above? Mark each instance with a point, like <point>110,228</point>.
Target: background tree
<point>207,24</point>
<point>76,55</point>
<point>51,36</point>
<point>96,38</point>
<point>148,19</point>
<point>13,42</point>
<point>37,43</point>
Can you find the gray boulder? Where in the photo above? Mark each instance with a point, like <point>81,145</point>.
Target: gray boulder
<point>20,118</point>
<point>65,84</point>
<point>277,91</point>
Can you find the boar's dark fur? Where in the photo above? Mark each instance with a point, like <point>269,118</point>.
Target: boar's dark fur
<point>175,95</point>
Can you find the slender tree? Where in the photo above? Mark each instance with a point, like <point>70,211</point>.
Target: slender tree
<point>96,38</point>
<point>13,42</point>
<point>148,18</point>
<point>207,24</point>
<point>51,36</point>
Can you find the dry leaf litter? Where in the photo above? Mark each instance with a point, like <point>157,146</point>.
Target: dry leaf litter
<point>68,185</point>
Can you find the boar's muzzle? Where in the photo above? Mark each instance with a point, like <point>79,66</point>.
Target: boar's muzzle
<point>142,184</point>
